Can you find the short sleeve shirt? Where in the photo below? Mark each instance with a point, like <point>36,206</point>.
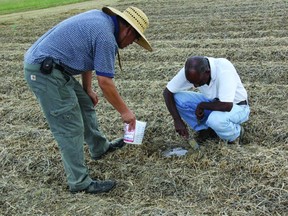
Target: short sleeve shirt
<point>83,42</point>
<point>225,82</point>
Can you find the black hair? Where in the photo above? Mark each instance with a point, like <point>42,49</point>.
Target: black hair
<point>198,63</point>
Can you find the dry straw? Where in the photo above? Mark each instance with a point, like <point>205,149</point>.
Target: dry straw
<point>220,180</point>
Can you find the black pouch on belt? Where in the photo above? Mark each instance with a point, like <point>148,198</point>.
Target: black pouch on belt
<point>47,66</point>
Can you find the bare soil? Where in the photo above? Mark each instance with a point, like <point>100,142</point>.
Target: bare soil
<point>219,180</point>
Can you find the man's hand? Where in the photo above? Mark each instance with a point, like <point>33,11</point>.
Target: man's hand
<point>129,118</point>
<point>93,95</point>
<point>215,105</point>
<point>179,125</point>
<point>87,86</point>
<point>199,112</point>
<point>181,129</point>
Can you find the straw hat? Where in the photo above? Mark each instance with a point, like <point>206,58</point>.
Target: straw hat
<point>137,19</point>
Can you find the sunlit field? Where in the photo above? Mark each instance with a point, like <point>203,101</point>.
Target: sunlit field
<point>12,6</point>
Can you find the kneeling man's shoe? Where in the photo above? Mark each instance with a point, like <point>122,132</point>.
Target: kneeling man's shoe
<point>239,139</point>
<point>114,145</point>
<point>98,187</point>
<point>203,135</point>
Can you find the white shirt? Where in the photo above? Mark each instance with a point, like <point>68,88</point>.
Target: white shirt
<point>225,82</point>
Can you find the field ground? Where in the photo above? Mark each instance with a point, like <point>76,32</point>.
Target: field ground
<point>219,180</point>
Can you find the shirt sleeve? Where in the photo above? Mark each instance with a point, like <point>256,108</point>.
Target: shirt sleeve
<point>179,82</point>
<point>104,59</point>
<point>227,85</point>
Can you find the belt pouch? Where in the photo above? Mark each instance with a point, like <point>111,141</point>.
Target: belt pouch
<point>47,66</point>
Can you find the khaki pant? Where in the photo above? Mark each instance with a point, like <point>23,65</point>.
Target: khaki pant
<point>72,120</point>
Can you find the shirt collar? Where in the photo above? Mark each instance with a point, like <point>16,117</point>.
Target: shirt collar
<point>212,68</point>
<point>116,25</point>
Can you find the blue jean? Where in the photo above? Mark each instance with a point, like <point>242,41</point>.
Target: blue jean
<point>72,119</point>
<point>225,124</point>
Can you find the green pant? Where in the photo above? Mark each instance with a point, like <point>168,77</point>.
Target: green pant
<point>72,119</point>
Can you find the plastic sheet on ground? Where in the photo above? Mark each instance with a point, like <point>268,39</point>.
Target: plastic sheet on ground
<point>175,152</point>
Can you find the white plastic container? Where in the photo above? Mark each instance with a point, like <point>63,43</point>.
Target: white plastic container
<point>135,136</point>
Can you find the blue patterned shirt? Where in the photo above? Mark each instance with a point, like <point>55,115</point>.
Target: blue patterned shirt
<point>83,42</point>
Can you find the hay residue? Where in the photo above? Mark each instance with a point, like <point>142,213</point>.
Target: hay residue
<point>219,179</point>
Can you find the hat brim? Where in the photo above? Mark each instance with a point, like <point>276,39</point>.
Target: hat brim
<point>142,40</point>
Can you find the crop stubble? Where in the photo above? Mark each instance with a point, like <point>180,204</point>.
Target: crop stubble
<point>232,180</point>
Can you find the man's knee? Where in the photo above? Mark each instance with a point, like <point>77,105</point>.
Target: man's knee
<point>178,97</point>
<point>184,99</point>
<point>216,121</point>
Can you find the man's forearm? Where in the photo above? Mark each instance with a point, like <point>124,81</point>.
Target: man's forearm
<point>170,103</point>
<point>216,106</point>
<point>87,80</point>
<point>111,94</point>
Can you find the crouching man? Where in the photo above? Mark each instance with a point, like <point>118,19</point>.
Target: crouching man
<point>219,106</point>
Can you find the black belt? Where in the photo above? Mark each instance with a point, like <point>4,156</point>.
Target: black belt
<point>62,69</point>
<point>242,103</point>
<point>48,65</point>
<point>59,67</point>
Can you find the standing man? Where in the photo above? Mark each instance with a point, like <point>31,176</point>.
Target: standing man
<point>221,104</point>
<point>78,45</point>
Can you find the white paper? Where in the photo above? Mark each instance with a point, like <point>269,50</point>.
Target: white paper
<point>134,136</point>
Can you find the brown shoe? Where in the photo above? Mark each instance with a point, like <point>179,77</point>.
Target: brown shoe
<point>238,140</point>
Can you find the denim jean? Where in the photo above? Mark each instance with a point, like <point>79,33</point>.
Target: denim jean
<point>72,119</point>
<point>225,124</point>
